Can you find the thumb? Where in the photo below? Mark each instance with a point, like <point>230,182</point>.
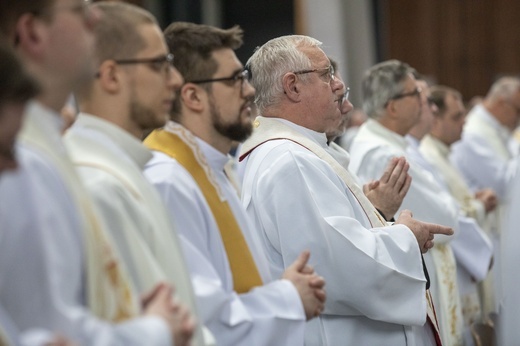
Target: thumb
<point>301,261</point>
<point>406,212</point>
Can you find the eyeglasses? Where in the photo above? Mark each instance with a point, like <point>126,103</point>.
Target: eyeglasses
<point>329,72</point>
<point>242,76</point>
<point>160,64</point>
<point>416,92</point>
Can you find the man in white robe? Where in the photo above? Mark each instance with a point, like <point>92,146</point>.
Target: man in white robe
<point>472,248</point>
<point>484,157</point>
<point>299,197</point>
<point>266,312</point>
<point>393,102</point>
<point>132,93</point>
<point>58,269</point>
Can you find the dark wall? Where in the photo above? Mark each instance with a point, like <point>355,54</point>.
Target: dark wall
<point>261,21</point>
<point>465,44</point>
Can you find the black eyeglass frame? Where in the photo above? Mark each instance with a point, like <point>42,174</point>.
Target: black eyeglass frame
<point>243,76</point>
<point>417,91</point>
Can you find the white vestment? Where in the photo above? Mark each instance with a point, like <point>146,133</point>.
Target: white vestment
<point>268,315</point>
<point>42,250</point>
<point>473,248</point>
<point>483,157</point>
<point>508,329</point>
<point>375,280</point>
<point>110,161</point>
<point>371,152</point>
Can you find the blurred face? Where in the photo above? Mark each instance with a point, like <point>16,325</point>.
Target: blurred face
<point>152,85</point>
<point>230,101</point>
<point>345,107</point>
<point>425,122</point>
<point>448,126</point>
<point>321,93</point>
<point>408,105</point>
<point>10,122</point>
<point>71,41</point>
<point>513,110</point>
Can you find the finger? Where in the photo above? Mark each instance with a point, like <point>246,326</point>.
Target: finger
<point>389,169</point>
<point>317,282</point>
<point>398,175</point>
<point>321,295</point>
<point>438,229</point>
<point>147,297</point>
<point>301,261</point>
<point>406,186</point>
<point>406,212</point>
<point>307,270</point>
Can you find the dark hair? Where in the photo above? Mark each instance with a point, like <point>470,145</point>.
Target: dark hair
<point>438,96</point>
<point>15,85</point>
<point>193,45</point>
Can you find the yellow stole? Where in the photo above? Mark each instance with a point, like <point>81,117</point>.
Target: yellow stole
<point>243,268</point>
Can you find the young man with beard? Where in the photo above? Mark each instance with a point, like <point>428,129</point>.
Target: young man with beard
<point>240,302</point>
<point>133,92</point>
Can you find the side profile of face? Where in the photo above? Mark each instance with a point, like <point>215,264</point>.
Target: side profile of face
<point>11,115</point>
<point>448,126</point>
<point>321,93</point>
<point>152,85</point>
<point>408,108</point>
<point>345,108</point>
<point>425,122</point>
<point>230,101</point>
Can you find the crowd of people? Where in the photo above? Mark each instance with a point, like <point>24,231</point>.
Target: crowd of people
<point>129,223</point>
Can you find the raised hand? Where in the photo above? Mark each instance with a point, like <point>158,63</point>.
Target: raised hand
<point>387,193</point>
<point>309,285</point>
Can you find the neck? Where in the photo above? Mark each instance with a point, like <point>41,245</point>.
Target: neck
<point>392,126</point>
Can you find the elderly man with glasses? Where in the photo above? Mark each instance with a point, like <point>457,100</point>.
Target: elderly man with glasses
<point>392,100</point>
<point>299,197</point>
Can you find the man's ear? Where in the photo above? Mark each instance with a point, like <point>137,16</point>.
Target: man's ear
<point>291,87</point>
<point>193,97</point>
<point>391,109</point>
<point>109,76</point>
<point>30,35</point>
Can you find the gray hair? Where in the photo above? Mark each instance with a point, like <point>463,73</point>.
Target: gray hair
<point>270,62</point>
<point>381,83</point>
<point>504,87</point>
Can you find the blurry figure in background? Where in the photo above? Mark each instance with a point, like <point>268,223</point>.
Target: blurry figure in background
<point>58,268</point>
<point>16,88</point>
<point>356,118</point>
<point>473,248</point>
<point>393,101</point>
<point>484,157</point>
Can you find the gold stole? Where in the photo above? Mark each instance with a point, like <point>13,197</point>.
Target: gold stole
<point>109,294</point>
<point>243,268</point>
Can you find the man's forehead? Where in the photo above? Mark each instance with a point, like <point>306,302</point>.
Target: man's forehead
<point>226,60</point>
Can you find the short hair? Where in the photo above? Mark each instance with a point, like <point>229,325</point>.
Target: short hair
<point>11,11</point>
<point>192,45</point>
<point>16,85</point>
<point>270,62</point>
<point>116,33</point>
<point>504,87</point>
<point>382,82</point>
<point>438,96</point>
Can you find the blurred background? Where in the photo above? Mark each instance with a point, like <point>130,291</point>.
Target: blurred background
<point>465,44</point>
